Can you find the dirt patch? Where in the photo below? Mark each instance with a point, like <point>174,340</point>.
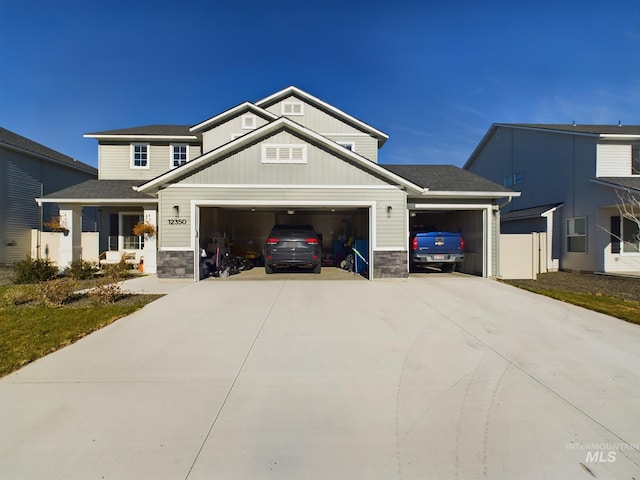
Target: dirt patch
<point>627,288</point>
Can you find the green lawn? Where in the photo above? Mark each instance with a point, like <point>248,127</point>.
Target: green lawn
<point>31,331</point>
<point>624,309</point>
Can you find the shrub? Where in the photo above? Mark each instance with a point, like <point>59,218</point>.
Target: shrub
<point>116,271</point>
<point>56,293</point>
<point>34,271</point>
<point>106,292</point>
<point>81,270</point>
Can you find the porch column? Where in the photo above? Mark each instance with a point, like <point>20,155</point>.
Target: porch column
<point>71,240</point>
<point>150,242</point>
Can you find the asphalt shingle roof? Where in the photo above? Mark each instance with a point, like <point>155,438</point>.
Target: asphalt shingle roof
<point>13,139</point>
<point>593,129</point>
<point>161,130</point>
<point>445,178</point>
<point>632,183</point>
<point>101,189</point>
<point>528,212</point>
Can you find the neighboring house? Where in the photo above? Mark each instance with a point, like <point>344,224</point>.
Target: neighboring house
<point>29,170</point>
<point>575,181</point>
<point>287,158</point>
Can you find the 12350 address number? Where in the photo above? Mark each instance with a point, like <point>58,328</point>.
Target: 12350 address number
<point>177,221</point>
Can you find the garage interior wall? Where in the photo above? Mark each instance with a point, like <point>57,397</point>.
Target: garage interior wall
<point>468,222</point>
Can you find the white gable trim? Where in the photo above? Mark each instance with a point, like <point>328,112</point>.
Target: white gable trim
<point>264,131</point>
<point>234,112</point>
<point>325,106</point>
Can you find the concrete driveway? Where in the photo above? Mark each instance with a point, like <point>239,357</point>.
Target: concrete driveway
<point>445,377</point>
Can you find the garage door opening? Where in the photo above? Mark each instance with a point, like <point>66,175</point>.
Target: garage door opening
<point>467,222</point>
<point>242,231</point>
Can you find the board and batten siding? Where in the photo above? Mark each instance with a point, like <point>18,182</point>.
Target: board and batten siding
<point>246,167</point>
<point>613,160</point>
<point>390,224</point>
<point>227,131</point>
<point>325,124</point>
<point>115,160</point>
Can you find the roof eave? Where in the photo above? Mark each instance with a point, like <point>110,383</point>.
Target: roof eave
<point>99,201</point>
<point>265,129</point>
<point>470,194</point>
<point>231,113</point>
<point>140,137</point>
<point>77,164</point>
<point>292,90</point>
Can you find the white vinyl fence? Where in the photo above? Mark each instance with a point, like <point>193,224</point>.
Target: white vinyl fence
<point>522,256</point>
<point>47,245</point>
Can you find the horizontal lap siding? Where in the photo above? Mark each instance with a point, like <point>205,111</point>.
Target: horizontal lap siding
<point>391,225</point>
<point>115,160</point>
<point>364,145</point>
<point>614,160</point>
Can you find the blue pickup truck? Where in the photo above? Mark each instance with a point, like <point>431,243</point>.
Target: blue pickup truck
<point>437,249</point>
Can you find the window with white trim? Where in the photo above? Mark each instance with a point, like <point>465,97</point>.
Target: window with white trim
<point>292,108</point>
<point>630,235</point>
<point>295,153</point>
<point>577,235</point>
<point>348,145</point>
<point>140,155</point>
<point>179,154</point>
<point>248,121</point>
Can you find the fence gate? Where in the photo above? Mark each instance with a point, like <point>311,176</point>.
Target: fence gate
<point>522,256</point>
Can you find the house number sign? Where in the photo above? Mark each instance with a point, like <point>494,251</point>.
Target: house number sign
<point>177,221</point>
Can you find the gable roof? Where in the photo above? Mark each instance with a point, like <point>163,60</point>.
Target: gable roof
<point>330,109</point>
<point>531,212</point>
<point>148,131</point>
<point>231,113</point>
<point>436,179</point>
<point>611,132</point>
<point>625,183</point>
<point>100,191</point>
<point>265,131</point>
<point>13,141</point>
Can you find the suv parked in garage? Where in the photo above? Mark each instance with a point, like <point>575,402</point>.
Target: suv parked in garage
<point>293,246</point>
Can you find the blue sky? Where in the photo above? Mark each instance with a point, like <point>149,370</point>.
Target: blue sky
<point>432,75</point>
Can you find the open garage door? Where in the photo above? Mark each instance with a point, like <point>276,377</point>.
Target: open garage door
<point>242,230</point>
<point>472,223</point>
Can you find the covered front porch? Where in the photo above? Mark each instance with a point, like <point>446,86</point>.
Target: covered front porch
<point>120,211</point>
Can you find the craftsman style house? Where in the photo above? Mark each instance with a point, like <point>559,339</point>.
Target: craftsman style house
<point>288,158</point>
<point>29,170</point>
<point>579,183</point>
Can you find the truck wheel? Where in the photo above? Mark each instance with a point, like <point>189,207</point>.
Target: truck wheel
<point>268,269</point>
<point>448,267</point>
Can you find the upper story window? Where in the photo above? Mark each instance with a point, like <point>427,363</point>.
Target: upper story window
<point>249,121</point>
<point>292,108</point>
<point>179,155</point>
<point>348,145</point>
<point>140,155</point>
<point>635,159</point>
<point>511,180</point>
<point>296,153</point>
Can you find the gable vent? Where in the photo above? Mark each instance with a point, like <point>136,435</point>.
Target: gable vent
<point>284,153</point>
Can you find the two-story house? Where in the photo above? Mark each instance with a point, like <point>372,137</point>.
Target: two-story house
<point>579,183</point>
<point>288,158</point>
<point>28,170</point>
